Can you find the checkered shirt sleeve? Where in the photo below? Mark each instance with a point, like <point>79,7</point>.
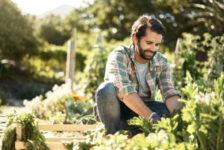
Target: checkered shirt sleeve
<point>116,72</point>
<point>165,84</point>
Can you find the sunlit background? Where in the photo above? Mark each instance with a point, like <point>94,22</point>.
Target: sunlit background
<point>40,7</point>
<point>38,72</point>
<point>35,35</point>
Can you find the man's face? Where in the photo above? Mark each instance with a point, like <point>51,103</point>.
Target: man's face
<point>147,46</point>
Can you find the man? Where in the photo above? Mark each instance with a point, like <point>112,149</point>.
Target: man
<point>132,74</point>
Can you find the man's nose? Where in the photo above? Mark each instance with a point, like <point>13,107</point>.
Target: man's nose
<point>153,48</point>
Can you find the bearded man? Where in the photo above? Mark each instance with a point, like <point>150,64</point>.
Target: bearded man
<point>132,75</point>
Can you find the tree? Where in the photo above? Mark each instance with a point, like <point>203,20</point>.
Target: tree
<point>51,29</point>
<point>79,19</point>
<point>194,16</point>
<point>16,35</point>
<point>197,16</point>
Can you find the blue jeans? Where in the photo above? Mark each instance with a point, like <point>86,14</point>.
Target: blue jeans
<point>114,113</point>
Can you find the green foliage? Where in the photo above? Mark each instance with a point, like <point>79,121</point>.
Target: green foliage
<point>187,59</point>
<point>180,16</point>
<point>200,122</point>
<point>49,65</point>
<point>16,36</point>
<point>159,140</point>
<point>79,19</point>
<point>95,64</point>
<point>187,52</point>
<point>84,48</point>
<point>30,132</point>
<point>198,125</point>
<point>61,105</point>
<point>50,29</point>
<point>8,141</point>
<point>146,127</point>
<point>95,68</point>
<point>69,146</point>
<point>215,61</point>
<point>203,113</point>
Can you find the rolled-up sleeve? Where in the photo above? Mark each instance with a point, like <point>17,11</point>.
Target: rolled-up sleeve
<point>116,72</point>
<point>166,85</point>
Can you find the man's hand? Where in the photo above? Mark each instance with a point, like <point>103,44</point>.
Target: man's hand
<point>134,102</point>
<point>154,117</point>
<point>172,103</point>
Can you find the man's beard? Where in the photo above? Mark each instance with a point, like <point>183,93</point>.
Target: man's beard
<point>142,52</point>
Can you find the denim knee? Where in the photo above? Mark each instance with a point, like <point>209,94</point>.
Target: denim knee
<point>106,90</point>
<point>108,107</point>
<point>106,99</point>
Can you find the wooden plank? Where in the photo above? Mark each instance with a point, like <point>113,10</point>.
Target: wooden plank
<point>20,145</point>
<point>55,146</point>
<point>65,127</point>
<point>59,139</point>
<point>54,143</point>
<point>51,145</point>
<point>18,132</point>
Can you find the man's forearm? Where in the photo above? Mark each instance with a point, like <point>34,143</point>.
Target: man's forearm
<point>172,103</point>
<point>134,102</point>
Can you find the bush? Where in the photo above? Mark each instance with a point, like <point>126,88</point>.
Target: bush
<point>30,132</point>
<point>186,58</point>
<point>61,105</point>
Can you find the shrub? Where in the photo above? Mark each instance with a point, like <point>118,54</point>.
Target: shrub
<point>60,105</point>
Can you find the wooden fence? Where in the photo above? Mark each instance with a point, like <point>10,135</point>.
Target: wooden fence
<point>54,143</point>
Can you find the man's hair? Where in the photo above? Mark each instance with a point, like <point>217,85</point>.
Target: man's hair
<point>147,22</point>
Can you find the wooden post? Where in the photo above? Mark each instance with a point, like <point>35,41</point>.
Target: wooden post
<point>177,55</point>
<point>75,33</point>
<point>70,65</point>
<point>177,52</point>
<point>18,133</point>
<point>219,62</point>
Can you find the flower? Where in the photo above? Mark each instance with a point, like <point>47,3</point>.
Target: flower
<point>77,97</point>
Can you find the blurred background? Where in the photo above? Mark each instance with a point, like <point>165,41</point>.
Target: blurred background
<point>34,37</point>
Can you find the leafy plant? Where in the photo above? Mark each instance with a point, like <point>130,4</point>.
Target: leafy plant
<point>146,126</point>
<point>204,115</point>
<point>30,132</point>
<point>61,105</point>
<point>95,67</point>
<point>8,141</point>
<point>187,59</point>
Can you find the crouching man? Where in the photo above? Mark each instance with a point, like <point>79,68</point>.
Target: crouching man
<point>132,75</point>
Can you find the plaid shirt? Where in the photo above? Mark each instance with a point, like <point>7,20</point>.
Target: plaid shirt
<point>121,70</point>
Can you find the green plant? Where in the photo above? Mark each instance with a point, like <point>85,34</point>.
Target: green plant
<point>203,72</point>
<point>61,105</point>
<point>95,68</point>
<point>8,141</point>
<point>30,132</point>
<point>215,63</point>
<point>187,59</point>
<point>204,114</point>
